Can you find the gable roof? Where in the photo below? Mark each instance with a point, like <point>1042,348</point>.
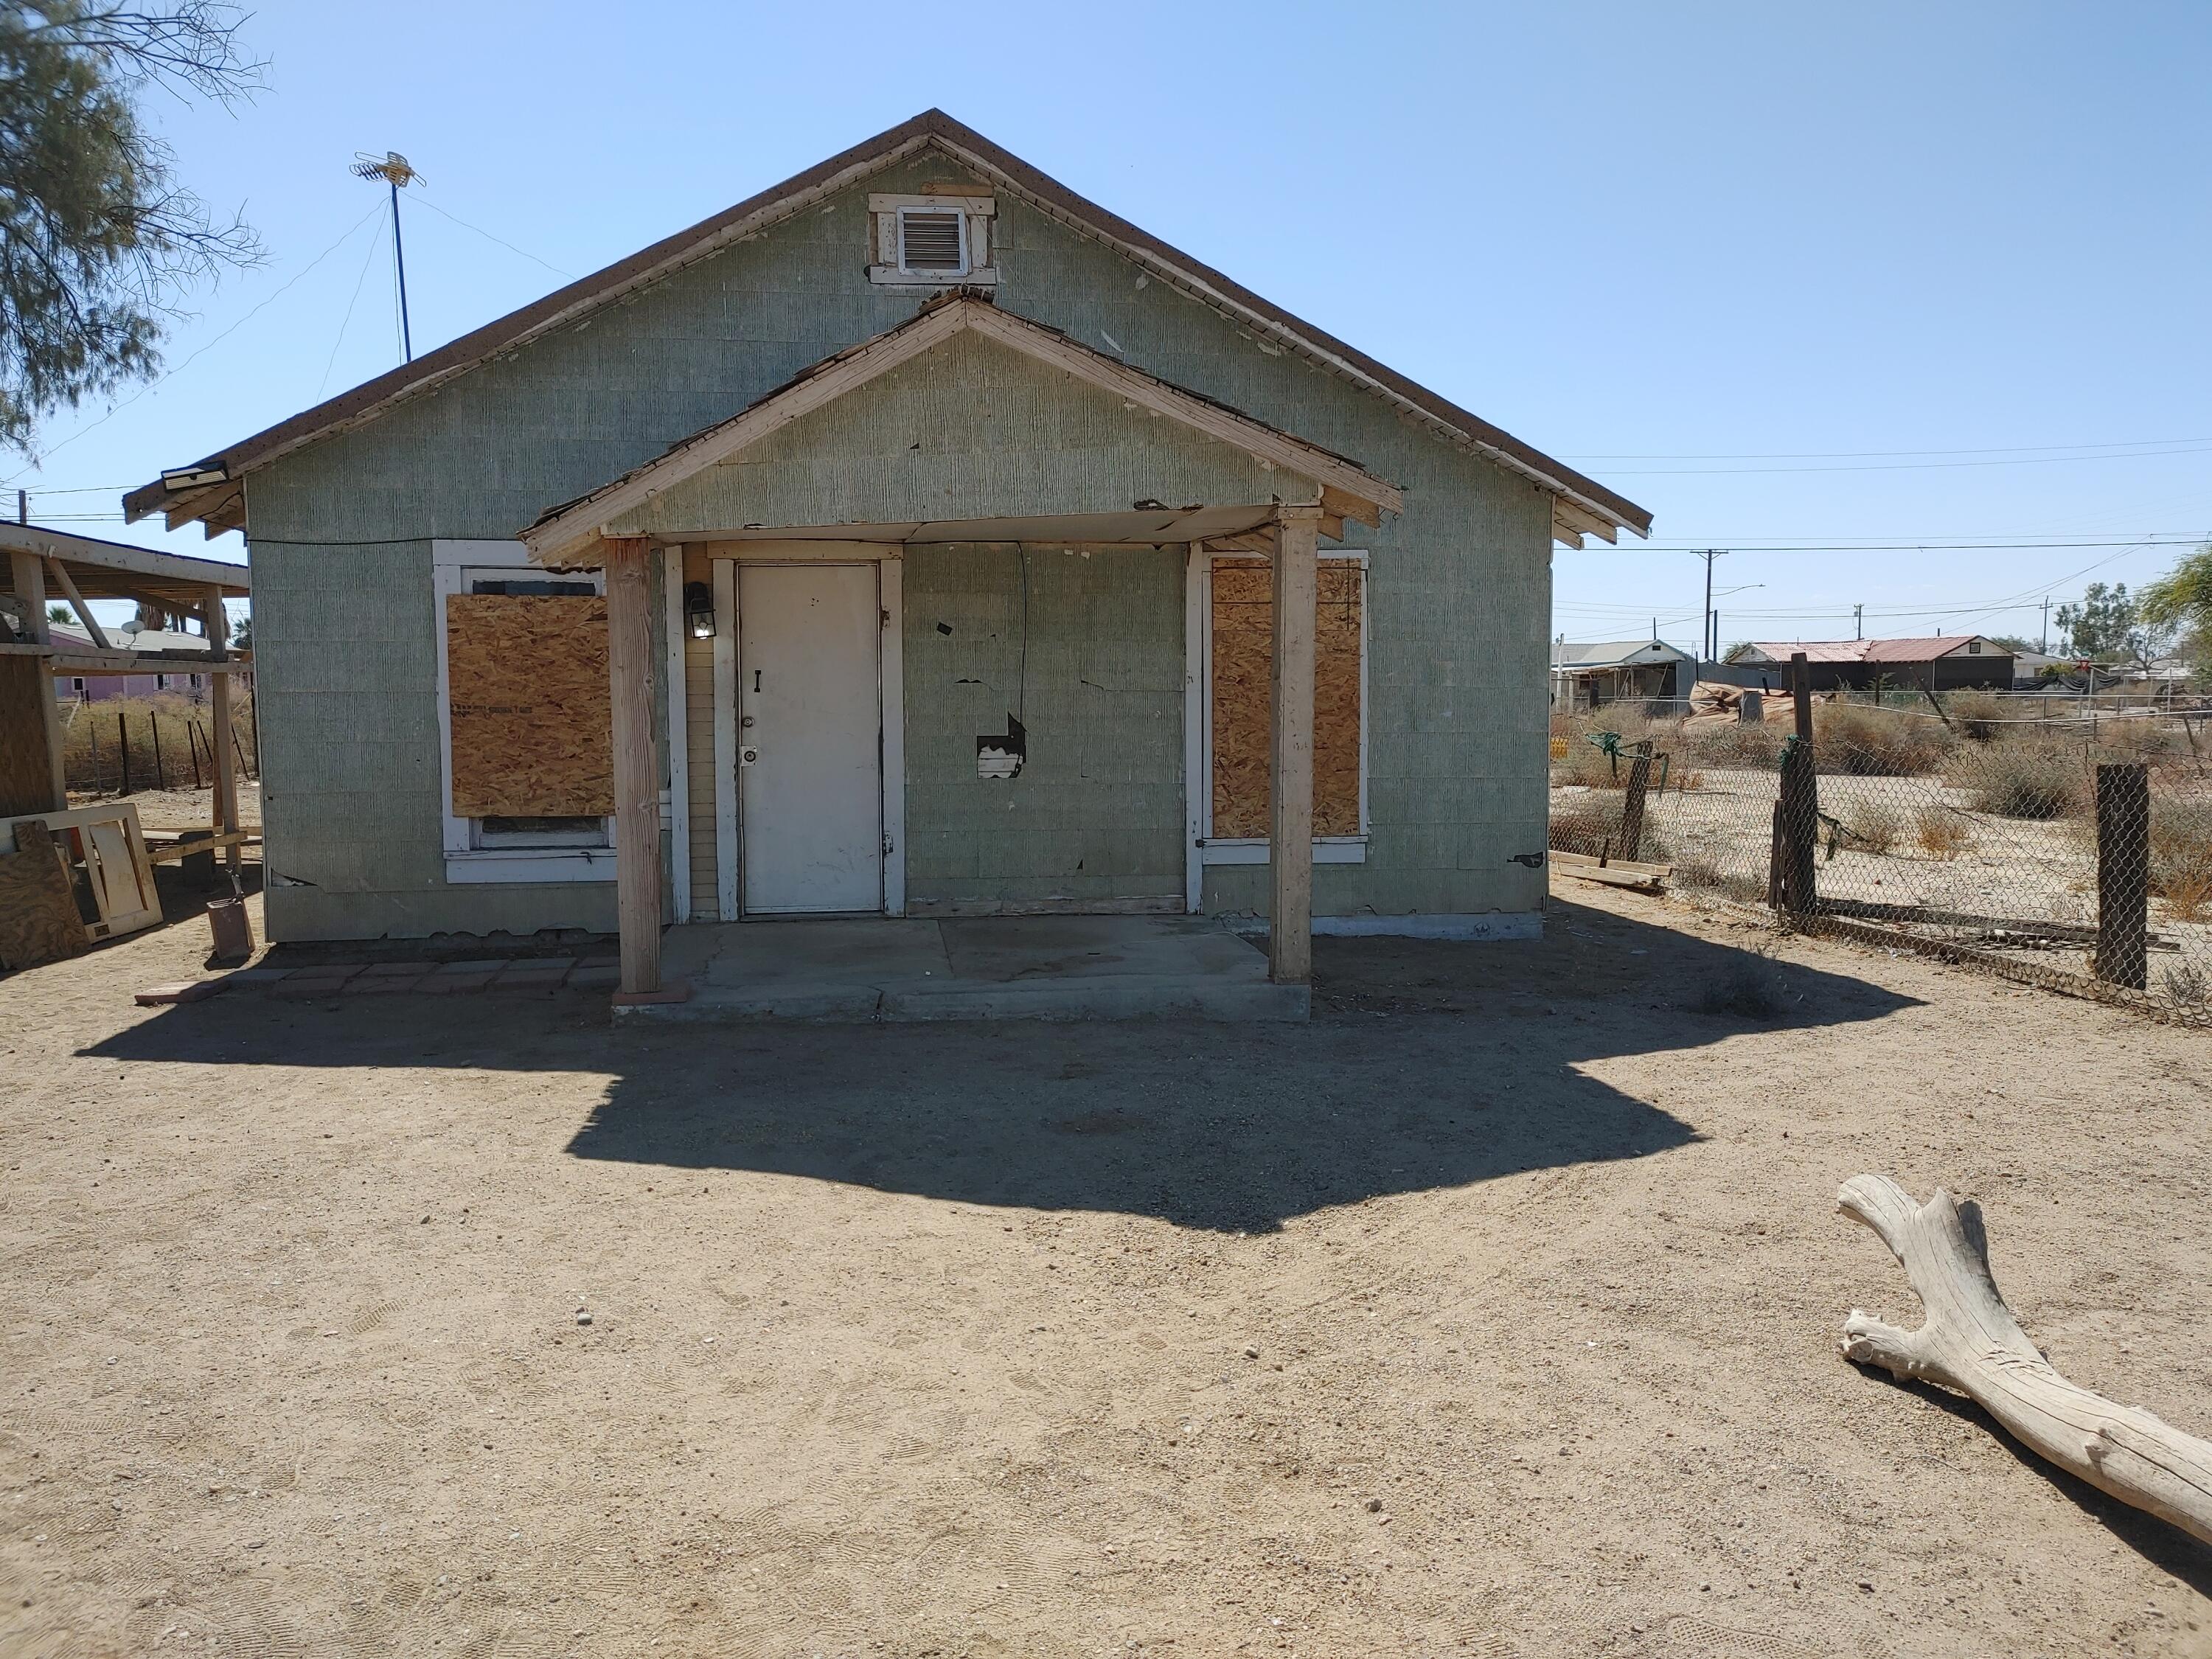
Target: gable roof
<point>210,491</point>
<point>1567,657</point>
<point>1924,649</point>
<point>1346,490</point>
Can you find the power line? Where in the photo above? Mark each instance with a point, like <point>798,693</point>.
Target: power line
<point>358,282</point>
<point>426,201</point>
<point>2150,539</point>
<point>1899,466</point>
<point>1862,454</point>
<point>113,409</point>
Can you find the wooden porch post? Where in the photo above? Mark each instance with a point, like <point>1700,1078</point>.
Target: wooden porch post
<point>1290,725</point>
<point>226,779</point>
<point>637,766</point>
<point>30,581</point>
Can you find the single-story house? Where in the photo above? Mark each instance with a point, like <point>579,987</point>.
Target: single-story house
<point>915,537</point>
<point>192,685</point>
<point>1622,671</point>
<point>1952,662</point>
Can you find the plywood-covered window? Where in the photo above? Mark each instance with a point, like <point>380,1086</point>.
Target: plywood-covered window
<point>1240,650</point>
<point>529,758</point>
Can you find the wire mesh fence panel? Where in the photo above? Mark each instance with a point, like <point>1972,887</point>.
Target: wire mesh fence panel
<point>121,745</point>
<point>2070,849</point>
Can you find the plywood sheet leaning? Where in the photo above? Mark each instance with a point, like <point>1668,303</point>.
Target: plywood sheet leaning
<point>38,920</point>
<point>532,729</point>
<point>25,773</point>
<point>1243,662</point>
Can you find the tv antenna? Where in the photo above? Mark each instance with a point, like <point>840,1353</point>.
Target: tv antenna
<point>396,172</point>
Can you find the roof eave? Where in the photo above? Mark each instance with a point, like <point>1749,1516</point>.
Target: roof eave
<point>1590,499</point>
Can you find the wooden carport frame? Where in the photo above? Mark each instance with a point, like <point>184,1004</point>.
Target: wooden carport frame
<point>593,531</point>
<point>84,568</point>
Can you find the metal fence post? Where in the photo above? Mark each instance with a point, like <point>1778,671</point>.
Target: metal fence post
<point>2123,873</point>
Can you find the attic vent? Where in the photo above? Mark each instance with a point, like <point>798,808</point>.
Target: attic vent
<point>932,242</point>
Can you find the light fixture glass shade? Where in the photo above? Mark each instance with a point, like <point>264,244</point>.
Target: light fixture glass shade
<point>699,610</point>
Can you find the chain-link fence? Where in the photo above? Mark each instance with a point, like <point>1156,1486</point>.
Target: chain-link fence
<point>2067,844</point>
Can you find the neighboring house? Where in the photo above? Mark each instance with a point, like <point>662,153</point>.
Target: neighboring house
<point>99,687</point>
<point>1955,662</point>
<point>1628,671</point>
<point>927,521</point>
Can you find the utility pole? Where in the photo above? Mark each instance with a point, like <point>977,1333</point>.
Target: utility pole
<point>2045,647</point>
<point>1709,553</point>
<point>1858,622</point>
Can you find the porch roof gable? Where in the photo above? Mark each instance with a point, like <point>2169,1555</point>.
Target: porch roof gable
<point>566,534</point>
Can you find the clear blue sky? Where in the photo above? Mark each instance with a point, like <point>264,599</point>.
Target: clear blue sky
<point>1669,243</point>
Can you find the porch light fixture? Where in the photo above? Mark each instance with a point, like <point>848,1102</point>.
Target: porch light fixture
<point>699,610</point>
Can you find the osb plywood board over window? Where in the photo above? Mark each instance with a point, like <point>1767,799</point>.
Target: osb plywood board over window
<point>1243,665</point>
<point>526,676</point>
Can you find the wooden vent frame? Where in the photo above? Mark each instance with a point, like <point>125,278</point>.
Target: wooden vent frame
<point>974,218</point>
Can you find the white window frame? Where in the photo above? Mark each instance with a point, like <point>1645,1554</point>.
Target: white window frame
<point>1206,847</point>
<point>978,231</point>
<point>468,858</point>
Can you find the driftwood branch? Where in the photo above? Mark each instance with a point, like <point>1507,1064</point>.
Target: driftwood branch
<point>1972,1344</point>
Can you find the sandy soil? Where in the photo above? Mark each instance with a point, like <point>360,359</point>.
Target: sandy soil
<point>182,809</point>
<point>1493,1313</point>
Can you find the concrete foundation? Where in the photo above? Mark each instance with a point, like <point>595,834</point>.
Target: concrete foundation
<point>983,968</point>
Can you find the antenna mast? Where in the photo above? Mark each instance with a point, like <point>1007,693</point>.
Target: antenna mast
<point>395,170</point>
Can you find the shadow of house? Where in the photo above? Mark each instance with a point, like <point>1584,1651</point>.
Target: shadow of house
<point>1428,1065</point>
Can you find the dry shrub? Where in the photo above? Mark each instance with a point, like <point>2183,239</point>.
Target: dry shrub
<point>1750,987</point>
<point>89,737</point>
<point>1587,764</point>
<point>1979,716</point>
<point>1875,829</point>
<point>1729,744</point>
<point>2181,854</point>
<point>1942,833</point>
<point>1852,740</point>
<point>1591,825</point>
<point>2020,778</point>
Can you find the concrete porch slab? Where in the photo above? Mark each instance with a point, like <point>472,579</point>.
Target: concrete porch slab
<point>846,968</point>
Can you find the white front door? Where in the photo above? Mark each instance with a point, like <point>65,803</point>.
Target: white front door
<point>809,799</point>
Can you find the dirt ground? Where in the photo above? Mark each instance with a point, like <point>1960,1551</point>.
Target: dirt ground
<point>1494,1313</point>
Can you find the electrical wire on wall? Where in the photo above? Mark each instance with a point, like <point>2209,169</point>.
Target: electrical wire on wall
<point>1022,677</point>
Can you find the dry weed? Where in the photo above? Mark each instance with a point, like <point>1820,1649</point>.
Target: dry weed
<point>1942,833</point>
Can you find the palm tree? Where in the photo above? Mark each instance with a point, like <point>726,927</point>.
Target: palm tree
<point>2182,597</point>
<point>2181,600</point>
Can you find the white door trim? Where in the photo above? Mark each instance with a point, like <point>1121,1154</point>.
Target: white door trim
<point>679,754</point>
<point>1197,756</point>
<point>726,739</point>
<point>890,680</point>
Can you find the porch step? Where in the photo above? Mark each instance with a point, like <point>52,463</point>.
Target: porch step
<point>1062,968</point>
